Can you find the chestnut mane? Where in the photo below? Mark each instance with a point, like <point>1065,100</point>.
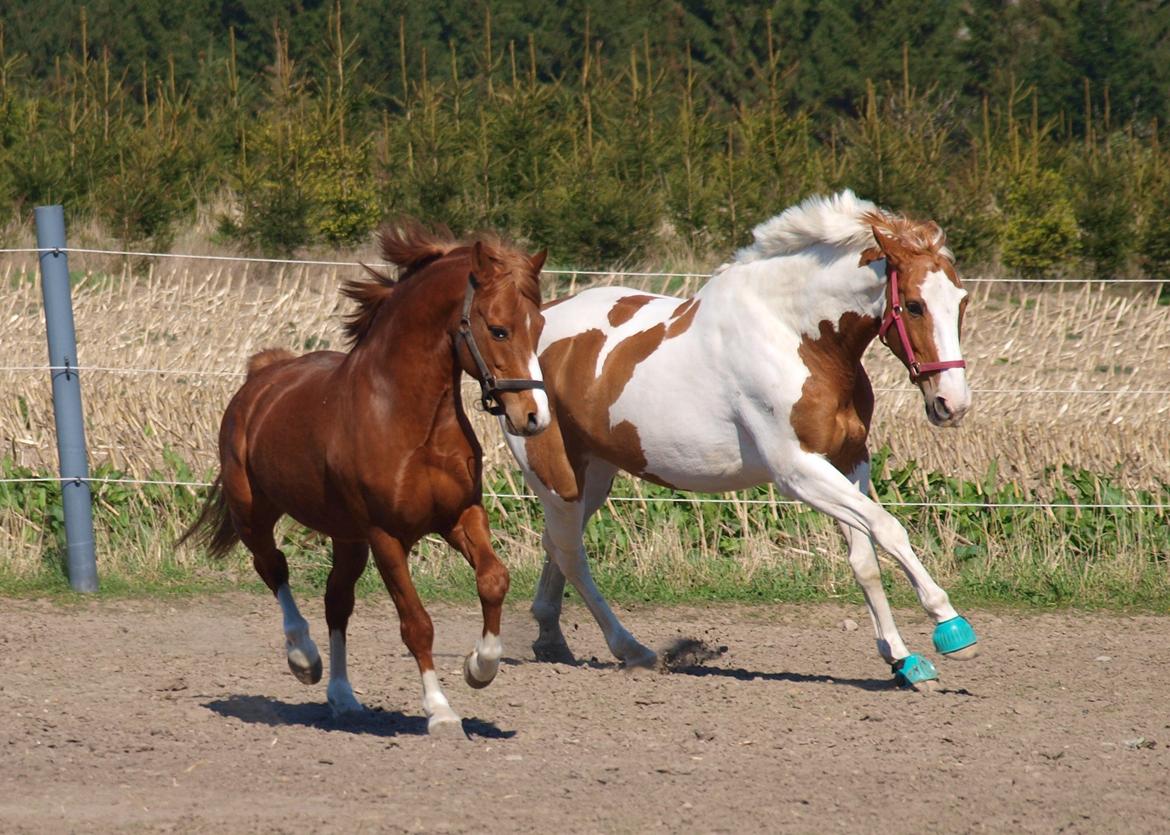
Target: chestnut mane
<point>408,245</point>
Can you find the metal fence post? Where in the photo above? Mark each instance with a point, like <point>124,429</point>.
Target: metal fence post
<point>75,493</point>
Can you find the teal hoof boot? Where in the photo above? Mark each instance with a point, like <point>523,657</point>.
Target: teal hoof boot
<point>955,638</point>
<point>913,669</point>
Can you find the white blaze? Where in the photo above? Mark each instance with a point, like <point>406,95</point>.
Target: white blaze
<point>543,413</point>
<point>943,299</point>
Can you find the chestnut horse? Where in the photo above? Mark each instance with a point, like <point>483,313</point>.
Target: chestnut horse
<point>373,449</point>
<point>756,378</point>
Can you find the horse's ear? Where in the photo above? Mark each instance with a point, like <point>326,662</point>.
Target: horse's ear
<point>875,253</point>
<point>938,238</point>
<point>888,246</point>
<point>480,264</point>
<point>538,260</point>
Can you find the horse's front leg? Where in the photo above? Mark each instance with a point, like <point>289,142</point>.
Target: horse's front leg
<point>812,479</point>
<point>863,560</point>
<point>418,633</point>
<point>349,561</point>
<point>472,538</point>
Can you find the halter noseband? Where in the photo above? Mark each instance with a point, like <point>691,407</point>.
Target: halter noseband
<point>489,386</point>
<point>893,316</point>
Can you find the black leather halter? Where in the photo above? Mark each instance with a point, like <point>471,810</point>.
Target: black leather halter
<point>489,386</point>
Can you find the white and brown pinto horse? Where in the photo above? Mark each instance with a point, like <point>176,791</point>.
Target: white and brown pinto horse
<point>756,378</point>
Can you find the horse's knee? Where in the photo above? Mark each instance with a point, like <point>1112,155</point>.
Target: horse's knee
<point>889,533</point>
<point>558,544</point>
<point>865,568</point>
<point>935,599</point>
<point>492,582</point>
<point>418,633</point>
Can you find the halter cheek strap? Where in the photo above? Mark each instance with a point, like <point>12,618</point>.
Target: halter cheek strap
<point>893,316</point>
<point>489,386</point>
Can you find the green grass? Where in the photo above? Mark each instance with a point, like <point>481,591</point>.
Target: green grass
<point>1070,554</point>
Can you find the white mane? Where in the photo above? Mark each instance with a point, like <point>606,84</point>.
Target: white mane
<point>838,220</point>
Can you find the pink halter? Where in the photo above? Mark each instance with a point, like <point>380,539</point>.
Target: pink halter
<point>894,317</point>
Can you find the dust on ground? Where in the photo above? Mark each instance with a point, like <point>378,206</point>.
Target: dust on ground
<point>183,717</point>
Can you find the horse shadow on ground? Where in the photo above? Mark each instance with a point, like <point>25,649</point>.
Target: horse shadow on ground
<point>740,674</point>
<point>687,656</point>
<point>869,684</point>
<point>263,710</point>
<point>699,669</point>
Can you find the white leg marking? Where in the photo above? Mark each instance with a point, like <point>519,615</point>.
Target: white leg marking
<point>484,661</point>
<point>303,657</point>
<point>435,704</point>
<point>340,693</point>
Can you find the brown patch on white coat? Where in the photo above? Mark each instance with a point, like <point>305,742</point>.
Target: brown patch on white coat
<point>833,414</point>
<point>557,456</point>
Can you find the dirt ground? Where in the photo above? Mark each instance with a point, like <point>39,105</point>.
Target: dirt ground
<point>182,717</point>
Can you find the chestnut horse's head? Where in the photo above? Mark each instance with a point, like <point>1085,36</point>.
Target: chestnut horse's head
<point>499,330</point>
<point>925,303</point>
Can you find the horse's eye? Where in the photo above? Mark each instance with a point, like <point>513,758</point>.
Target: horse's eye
<point>914,308</point>
<point>499,334</point>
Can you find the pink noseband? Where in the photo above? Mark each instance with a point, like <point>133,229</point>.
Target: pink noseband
<point>894,317</point>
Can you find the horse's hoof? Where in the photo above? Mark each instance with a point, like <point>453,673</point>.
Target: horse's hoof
<point>553,653</point>
<point>913,671</point>
<point>345,706</point>
<point>471,680</point>
<point>347,711</point>
<point>306,671</point>
<point>964,654</point>
<point>641,658</point>
<point>446,726</point>
<point>955,638</point>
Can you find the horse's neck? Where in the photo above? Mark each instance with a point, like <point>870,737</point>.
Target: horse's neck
<point>802,291</point>
<point>408,356</point>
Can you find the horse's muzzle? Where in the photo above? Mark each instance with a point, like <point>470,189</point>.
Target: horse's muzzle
<point>942,413</point>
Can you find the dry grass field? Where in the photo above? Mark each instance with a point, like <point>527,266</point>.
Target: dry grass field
<point>1065,374</point>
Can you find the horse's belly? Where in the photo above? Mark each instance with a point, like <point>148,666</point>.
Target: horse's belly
<point>703,464</point>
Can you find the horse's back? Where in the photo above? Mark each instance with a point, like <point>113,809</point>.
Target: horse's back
<point>607,309</point>
<point>275,374</point>
<point>638,384</point>
<point>281,409</point>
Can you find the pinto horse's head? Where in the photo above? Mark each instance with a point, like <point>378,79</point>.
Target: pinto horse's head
<point>925,303</point>
<point>499,330</point>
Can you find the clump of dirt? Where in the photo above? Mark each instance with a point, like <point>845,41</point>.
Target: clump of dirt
<point>685,653</point>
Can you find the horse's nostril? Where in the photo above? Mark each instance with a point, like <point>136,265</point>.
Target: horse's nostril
<point>941,409</point>
<point>532,422</point>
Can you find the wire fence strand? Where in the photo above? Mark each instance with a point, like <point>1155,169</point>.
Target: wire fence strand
<point>125,253</point>
<point>192,372</point>
<point>693,500</point>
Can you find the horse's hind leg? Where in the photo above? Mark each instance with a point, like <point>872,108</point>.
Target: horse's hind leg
<point>349,561</point>
<point>471,537</point>
<point>254,521</point>
<point>418,633</point>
